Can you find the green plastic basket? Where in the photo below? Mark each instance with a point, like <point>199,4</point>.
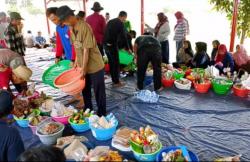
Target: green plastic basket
<point>54,71</point>
<point>125,57</point>
<point>221,89</point>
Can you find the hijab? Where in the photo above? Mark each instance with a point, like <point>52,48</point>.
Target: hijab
<point>181,19</point>
<point>162,20</point>
<point>240,56</point>
<point>189,50</point>
<point>219,57</point>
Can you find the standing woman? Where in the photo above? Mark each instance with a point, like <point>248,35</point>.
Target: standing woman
<point>162,31</point>
<point>181,31</point>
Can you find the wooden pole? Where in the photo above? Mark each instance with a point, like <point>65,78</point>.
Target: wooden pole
<point>142,16</point>
<point>47,20</point>
<point>234,25</point>
<point>84,7</point>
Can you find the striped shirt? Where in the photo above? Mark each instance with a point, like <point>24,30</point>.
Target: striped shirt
<point>181,31</point>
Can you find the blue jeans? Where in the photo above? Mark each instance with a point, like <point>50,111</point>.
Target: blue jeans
<point>165,51</point>
<point>179,44</point>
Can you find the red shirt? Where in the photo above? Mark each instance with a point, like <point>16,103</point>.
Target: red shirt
<point>98,24</point>
<point>5,78</point>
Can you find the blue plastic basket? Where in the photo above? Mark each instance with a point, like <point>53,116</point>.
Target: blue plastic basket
<point>192,156</point>
<point>103,134</point>
<point>146,157</point>
<point>22,122</point>
<point>148,80</point>
<point>79,128</point>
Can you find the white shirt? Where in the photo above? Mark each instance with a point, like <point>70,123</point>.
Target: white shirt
<point>163,33</point>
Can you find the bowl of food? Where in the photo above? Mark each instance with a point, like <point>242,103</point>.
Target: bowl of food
<point>183,84</point>
<point>168,79</point>
<point>35,121</point>
<point>145,144</point>
<point>240,91</point>
<point>221,86</point>
<point>49,132</point>
<point>203,86</point>
<point>23,121</point>
<point>79,123</point>
<point>174,154</point>
<point>178,75</point>
<point>61,114</point>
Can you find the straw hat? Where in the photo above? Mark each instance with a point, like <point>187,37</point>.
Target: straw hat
<point>23,72</point>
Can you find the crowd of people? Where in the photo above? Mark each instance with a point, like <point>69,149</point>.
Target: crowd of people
<point>84,41</point>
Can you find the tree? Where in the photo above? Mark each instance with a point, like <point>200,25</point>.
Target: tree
<point>243,19</point>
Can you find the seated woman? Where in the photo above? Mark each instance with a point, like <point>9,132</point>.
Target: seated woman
<point>241,59</point>
<point>201,58</point>
<point>224,59</point>
<point>185,55</point>
<point>215,44</point>
<point>11,143</point>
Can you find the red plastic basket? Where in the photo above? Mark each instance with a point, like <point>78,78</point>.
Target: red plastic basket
<point>202,88</point>
<point>167,82</point>
<point>240,91</point>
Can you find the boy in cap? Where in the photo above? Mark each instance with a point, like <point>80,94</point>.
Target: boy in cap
<point>11,143</point>
<point>88,58</point>
<point>98,24</point>
<point>14,37</point>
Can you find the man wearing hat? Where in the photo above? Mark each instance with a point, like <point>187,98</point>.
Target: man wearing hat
<point>12,68</point>
<point>11,143</point>
<point>98,24</point>
<point>14,37</point>
<point>88,58</point>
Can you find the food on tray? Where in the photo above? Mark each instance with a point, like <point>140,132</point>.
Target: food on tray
<point>229,159</point>
<point>147,139</point>
<point>173,156</point>
<point>50,128</point>
<point>64,141</point>
<point>22,108</point>
<point>122,137</point>
<point>111,156</point>
<point>35,120</point>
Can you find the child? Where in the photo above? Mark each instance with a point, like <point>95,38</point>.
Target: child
<point>5,76</point>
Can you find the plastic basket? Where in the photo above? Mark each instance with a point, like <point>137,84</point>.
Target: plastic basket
<point>192,156</point>
<point>25,122</point>
<point>33,128</point>
<point>146,157</point>
<point>103,134</point>
<point>62,119</point>
<point>54,71</point>
<point>240,92</point>
<point>202,88</point>
<point>167,82</point>
<point>183,86</point>
<point>221,89</point>
<point>125,57</point>
<point>79,128</point>
<point>178,76</point>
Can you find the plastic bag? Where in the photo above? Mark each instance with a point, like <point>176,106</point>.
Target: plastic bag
<point>96,153</point>
<point>76,150</point>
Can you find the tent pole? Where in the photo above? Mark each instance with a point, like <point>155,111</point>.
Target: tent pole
<point>84,6</point>
<point>234,25</point>
<point>142,16</point>
<point>47,20</point>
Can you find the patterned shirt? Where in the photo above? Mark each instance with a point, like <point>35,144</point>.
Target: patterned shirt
<point>181,31</point>
<point>15,40</point>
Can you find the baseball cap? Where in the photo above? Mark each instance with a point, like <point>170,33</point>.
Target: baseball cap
<point>15,15</point>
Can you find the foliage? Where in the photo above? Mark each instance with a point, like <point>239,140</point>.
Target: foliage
<point>14,5</point>
<point>243,23</point>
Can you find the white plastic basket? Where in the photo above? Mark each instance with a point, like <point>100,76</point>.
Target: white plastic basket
<point>183,86</point>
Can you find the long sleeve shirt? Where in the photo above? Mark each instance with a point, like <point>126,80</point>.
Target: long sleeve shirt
<point>15,40</point>
<point>181,31</point>
<point>63,44</point>
<point>98,25</point>
<point>115,31</point>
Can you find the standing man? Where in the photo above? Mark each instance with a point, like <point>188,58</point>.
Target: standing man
<point>148,49</point>
<point>107,17</point>
<point>88,58</point>
<point>115,32</point>
<point>64,48</point>
<point>13,33</point>
<point>98,24</point>
<point>3,27</point>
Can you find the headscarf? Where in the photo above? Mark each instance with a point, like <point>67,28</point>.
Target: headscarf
<point>241,57</point>
<point>181,19</point>
<point>162,19</point>
<point>189,50</point>
<point>219,57</point>
<point>201,47</point>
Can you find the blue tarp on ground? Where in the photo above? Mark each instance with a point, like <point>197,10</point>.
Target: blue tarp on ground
<point>209,125</point>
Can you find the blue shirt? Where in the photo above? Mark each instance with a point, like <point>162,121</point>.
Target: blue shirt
<point>11,144</point>
<point>40,40</point>
<point>63,32</point>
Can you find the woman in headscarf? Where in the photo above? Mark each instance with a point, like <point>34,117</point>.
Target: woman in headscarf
<point>161,32</point>
<point>241,58</point>
<point>185,55</point>
<point>181,31</point>
<point>215,44</point>
<point>201,58</point>
<point>224,59</point>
